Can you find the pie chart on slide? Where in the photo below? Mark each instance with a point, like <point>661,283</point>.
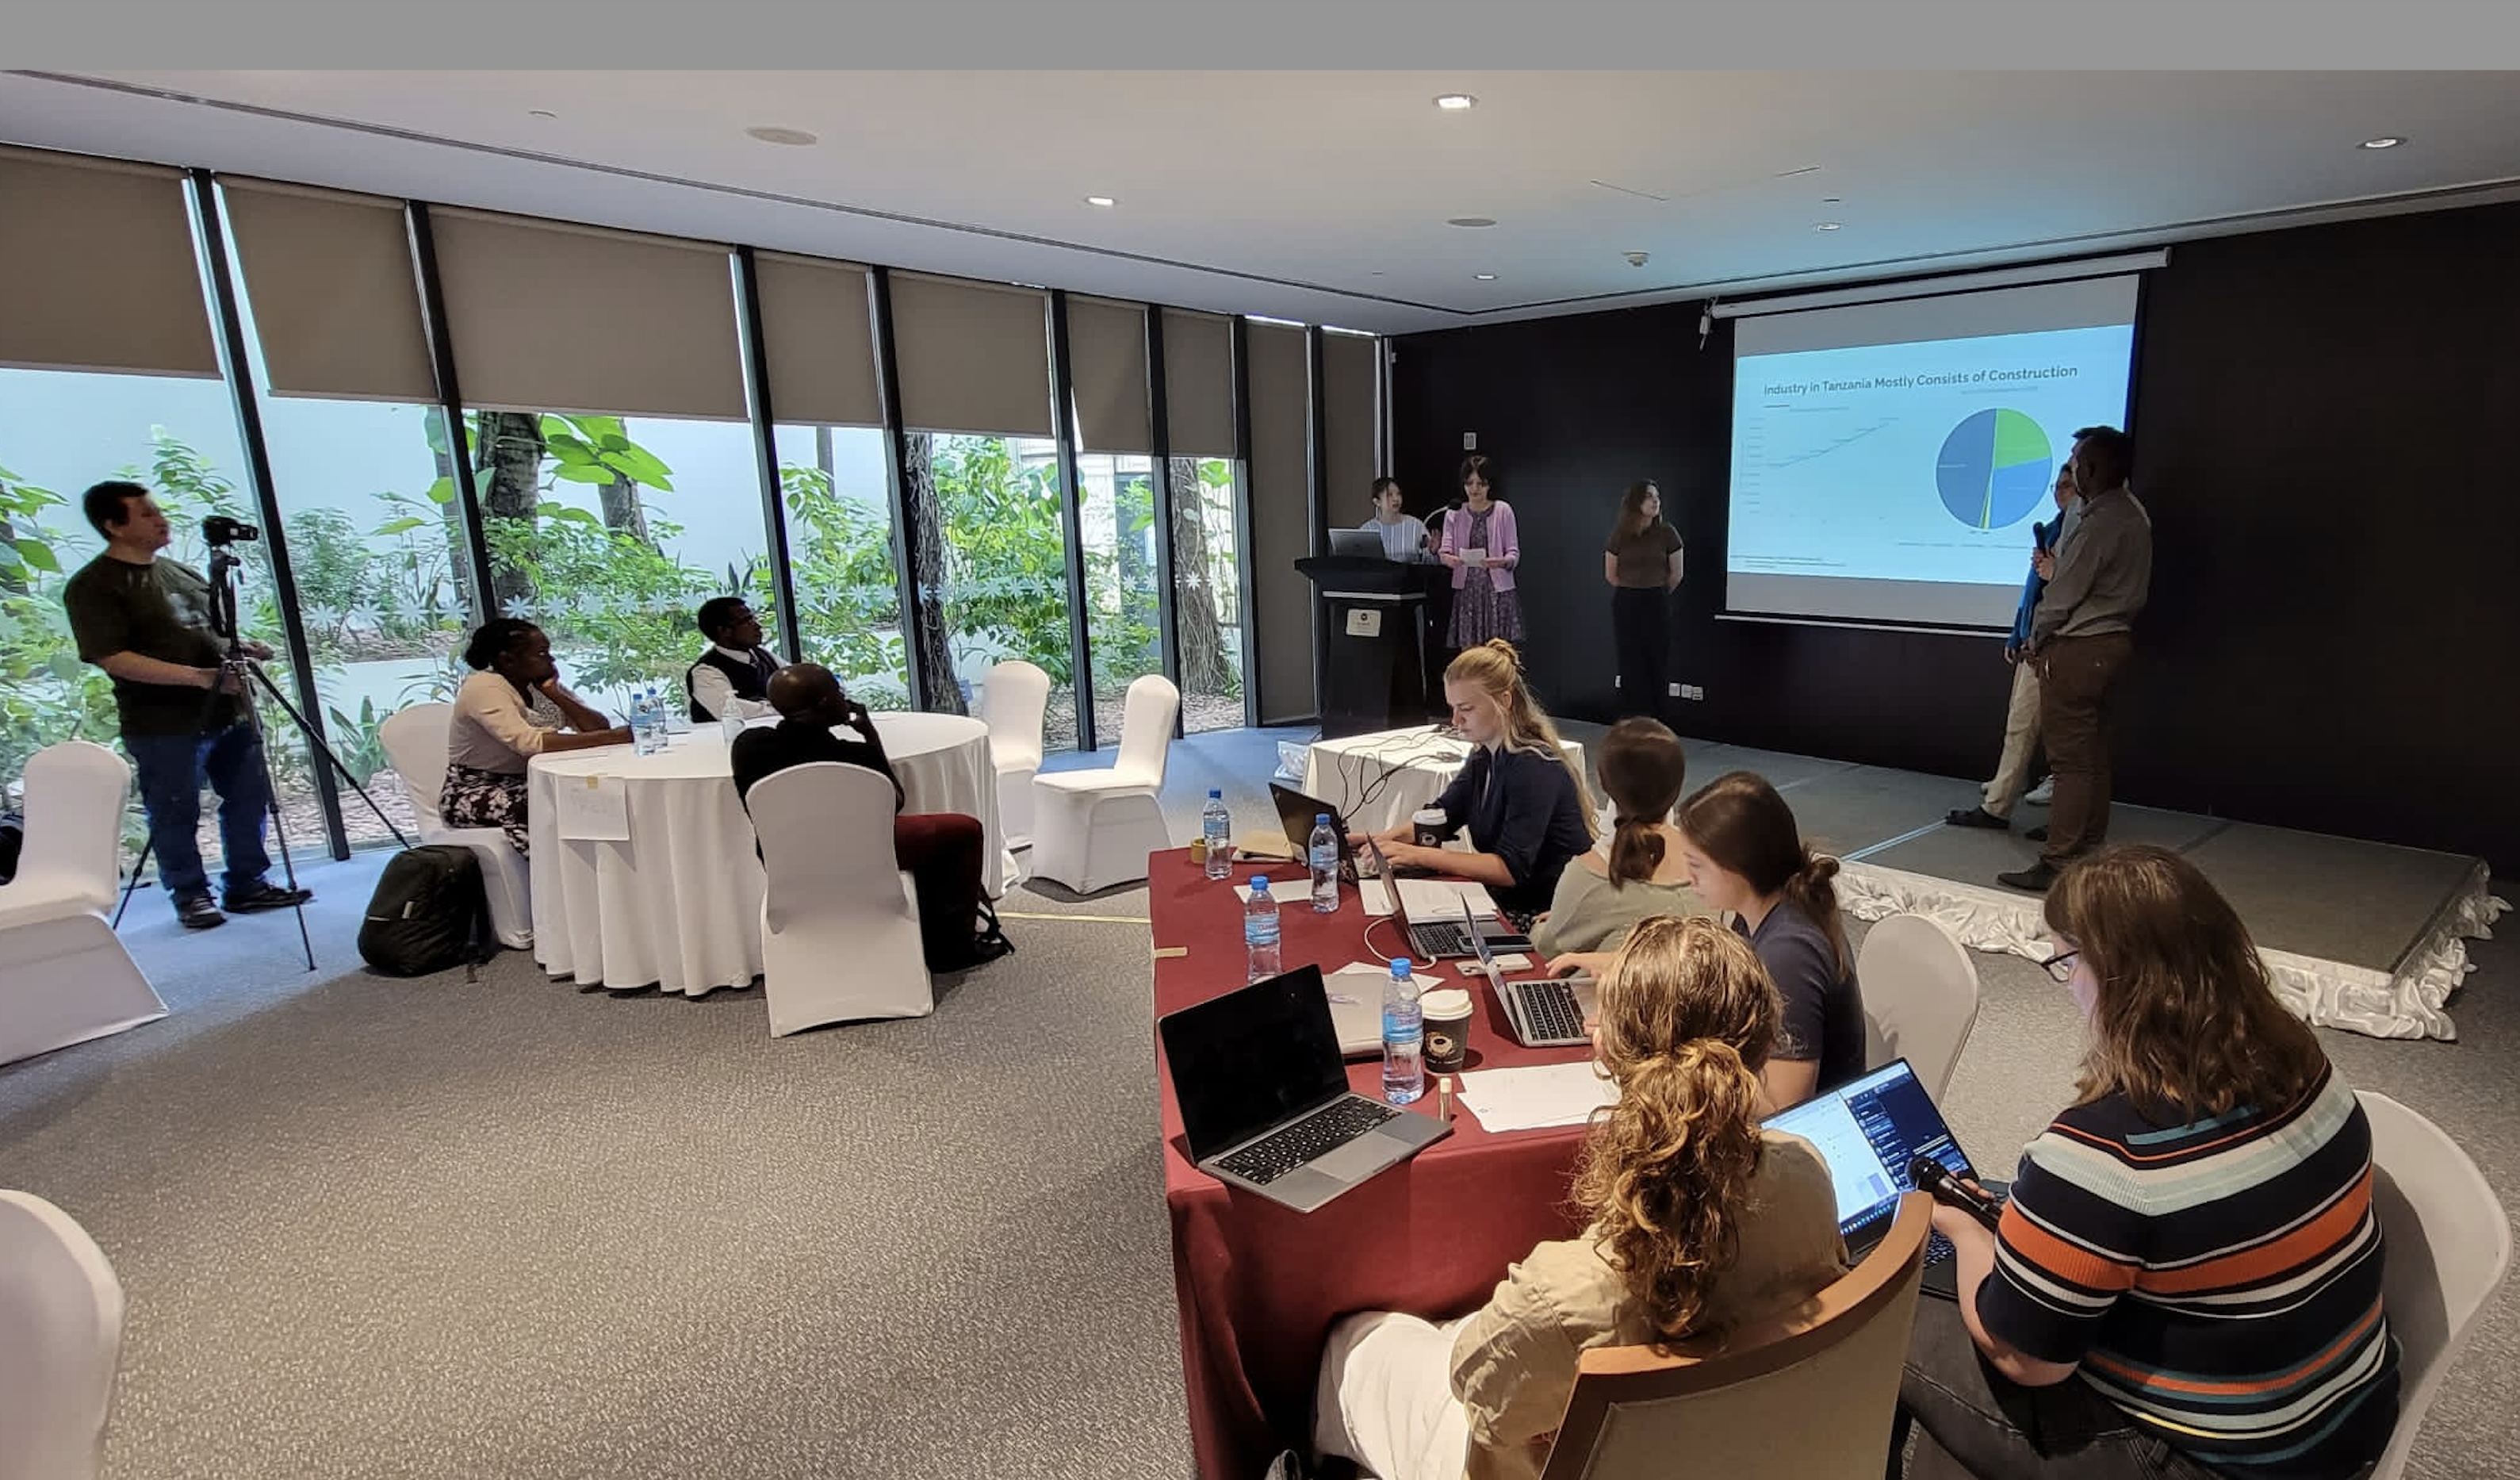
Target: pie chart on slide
<point>1995,468</point>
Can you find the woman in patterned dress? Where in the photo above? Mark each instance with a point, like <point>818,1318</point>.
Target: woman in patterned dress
<point>1482,549</point>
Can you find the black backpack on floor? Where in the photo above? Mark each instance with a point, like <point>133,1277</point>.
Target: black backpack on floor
<point>430,911</point>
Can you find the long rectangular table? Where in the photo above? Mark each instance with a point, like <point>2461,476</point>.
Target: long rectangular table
<point>1259,1287</point>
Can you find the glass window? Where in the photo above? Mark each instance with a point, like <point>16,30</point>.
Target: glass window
<point>1125,621</point>
<point>610,531</point>
<point>1208,593</point>
<point>60,431</point>
<point>1005,561</point>
<point>840,555</point>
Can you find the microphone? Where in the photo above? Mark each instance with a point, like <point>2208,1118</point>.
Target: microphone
<point>1931,1176</point>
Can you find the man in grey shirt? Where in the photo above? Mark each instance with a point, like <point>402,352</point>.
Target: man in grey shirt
<point>2080,637</point>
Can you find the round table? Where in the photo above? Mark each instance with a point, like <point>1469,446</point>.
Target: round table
<point>679,904</point>
<point>1378,781</point>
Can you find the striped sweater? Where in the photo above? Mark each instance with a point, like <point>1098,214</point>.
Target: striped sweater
<point>2219,1281</point>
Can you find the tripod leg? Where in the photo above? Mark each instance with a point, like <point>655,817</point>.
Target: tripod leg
<point>325,751</point>
<point>139,866</point>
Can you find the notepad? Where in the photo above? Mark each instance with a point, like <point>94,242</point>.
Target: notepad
<point>1537,1096</point>
<point>592,808</point>
<point>1432,899</point>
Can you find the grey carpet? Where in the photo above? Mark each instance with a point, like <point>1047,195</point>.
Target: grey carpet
<point>388,1228</point>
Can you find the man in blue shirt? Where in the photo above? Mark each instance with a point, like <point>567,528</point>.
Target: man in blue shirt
<point>2021,719</point>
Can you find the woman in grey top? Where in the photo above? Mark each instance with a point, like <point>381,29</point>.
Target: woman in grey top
<point>1602,895</point>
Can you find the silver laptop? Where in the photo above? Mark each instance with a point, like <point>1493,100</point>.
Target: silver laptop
<point>1543,1012</point>
<point>1264,1097</point>
<point>1438,940</point>
<point>1362,544</point>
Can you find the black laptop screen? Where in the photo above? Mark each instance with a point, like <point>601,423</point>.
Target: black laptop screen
<point>1867,1131</point>
<point>1245,1062</point>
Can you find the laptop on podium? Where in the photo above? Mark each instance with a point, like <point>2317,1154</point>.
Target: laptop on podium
<point>1264,1098</point>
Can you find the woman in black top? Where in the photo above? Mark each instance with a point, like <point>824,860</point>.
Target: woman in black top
<point>1523,800</point>
<point>1641,563</point>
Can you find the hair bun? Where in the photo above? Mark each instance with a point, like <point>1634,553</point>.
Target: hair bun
<point>1818,867</point>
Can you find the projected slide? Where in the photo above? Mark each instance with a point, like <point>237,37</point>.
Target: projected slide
<point>1888,462</point>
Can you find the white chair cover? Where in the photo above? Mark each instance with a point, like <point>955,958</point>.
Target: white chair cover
<point>839,923</point>
<point>1013,700</point>
<point>415,740</point>
<point>61,1336</point>
<point>2446,1245</point>
<point>64,976</point>
<point>1094,829</point>
<point>1920,994</point>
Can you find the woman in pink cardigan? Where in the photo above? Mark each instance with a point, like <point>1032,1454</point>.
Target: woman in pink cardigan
<point>1481,546</point>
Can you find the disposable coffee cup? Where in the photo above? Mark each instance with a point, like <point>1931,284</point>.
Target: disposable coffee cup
<point>1447,1011</point>
<point>1431,825</point>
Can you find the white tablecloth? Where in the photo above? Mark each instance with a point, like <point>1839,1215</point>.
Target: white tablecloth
<point>1377,781</point>
<point>680,904</point>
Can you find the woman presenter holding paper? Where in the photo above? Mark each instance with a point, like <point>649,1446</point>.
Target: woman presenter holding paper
<point>1481,548</point>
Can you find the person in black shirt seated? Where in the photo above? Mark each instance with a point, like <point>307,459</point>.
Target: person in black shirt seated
<point>941,851</point>
<point>1523,799</point>
<point>733,676</point>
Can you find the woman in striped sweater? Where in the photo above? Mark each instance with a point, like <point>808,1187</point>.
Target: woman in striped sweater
<point>2187,1278</point>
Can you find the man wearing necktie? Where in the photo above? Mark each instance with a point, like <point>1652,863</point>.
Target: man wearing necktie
<point>733,677</point>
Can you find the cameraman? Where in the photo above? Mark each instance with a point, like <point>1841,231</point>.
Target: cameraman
<point>148,622</point>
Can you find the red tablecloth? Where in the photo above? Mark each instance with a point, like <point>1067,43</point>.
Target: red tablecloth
<point>1260,1285</point>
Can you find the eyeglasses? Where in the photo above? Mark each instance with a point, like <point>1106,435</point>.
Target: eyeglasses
<point>2061,967</point>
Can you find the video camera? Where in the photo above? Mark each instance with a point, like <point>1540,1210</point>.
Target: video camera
<point>219,530</point>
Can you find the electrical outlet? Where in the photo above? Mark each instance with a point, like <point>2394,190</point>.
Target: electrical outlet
<point>1691,690</point>
<point>1675,691</point>
<point>1470,441</point>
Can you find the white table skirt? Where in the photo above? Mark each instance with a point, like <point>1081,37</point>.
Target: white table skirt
<point>1379,780</point>
<point>680,904</point>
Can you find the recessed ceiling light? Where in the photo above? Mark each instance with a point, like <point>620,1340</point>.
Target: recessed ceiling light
<point>1454,103</point>
<point>2385,141</point>
<point>541,112</point>
<point>1828,199</point>
<point>1469,222</point>
<point>1826,226</point>
<point>1484,276</point>
<point>781,135</point>
<point>1105,202</point>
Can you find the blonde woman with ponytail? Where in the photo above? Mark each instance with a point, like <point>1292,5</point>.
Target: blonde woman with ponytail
<point>1642,875</point>
<point>1698,1221</point>
<point>1523,800</point>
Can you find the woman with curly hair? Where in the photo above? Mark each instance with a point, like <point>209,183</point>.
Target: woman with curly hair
<point>1698,1221</point>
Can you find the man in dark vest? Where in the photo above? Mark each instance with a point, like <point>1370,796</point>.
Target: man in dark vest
<point>733,677</point>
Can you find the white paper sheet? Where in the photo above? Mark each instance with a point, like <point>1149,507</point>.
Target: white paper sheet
<point>1537,1096</point>
<point>593,809</point>
<point>1474,555</point>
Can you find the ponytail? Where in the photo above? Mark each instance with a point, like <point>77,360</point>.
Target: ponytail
<point>1636,851</point>
<point>1642,768</point>
<point>1811,890</point>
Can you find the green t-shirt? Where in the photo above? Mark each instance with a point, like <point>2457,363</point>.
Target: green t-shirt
<point>161,611</point>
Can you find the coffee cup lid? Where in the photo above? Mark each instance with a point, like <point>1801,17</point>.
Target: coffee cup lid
<point>1430,815</point>
<point>1445,1002</point>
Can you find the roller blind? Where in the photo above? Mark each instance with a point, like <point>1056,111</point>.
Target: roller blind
<point>1198,384</point>
<point>1280,524</point>
<point>971,356</point>
<point>817,341</point>
<point>329,279</point>
<point>1106,364</point>
<point>1349,406</point>
<point>98,269</point>
<point>551,317</point>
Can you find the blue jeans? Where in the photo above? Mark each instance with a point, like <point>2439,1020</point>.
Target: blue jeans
<point>170,768</point>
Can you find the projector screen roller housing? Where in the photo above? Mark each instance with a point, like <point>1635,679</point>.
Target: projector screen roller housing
<point>1890,458</point>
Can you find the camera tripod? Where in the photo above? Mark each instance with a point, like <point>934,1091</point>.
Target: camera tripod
<point>239,675</point>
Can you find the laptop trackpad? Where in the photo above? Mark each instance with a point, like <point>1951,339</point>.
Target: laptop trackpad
<point>1361,1158</point>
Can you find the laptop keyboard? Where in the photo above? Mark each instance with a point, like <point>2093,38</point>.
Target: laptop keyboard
<point>1442,938</point>
<point>1548,1005</point>
<point>1265,1161</point>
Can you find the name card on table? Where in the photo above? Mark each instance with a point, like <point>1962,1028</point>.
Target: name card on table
<point>594,809</point>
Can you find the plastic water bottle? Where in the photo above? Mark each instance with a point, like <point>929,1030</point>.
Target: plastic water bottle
<point>660,724</point>
<point>1260,933</point>
<point>1216,825</point>
<point>643,724</point>
<point>1324,851</point>
<point>1404,1037</point>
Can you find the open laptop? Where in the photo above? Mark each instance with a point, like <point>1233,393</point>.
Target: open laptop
<point>1264,1097</point>
<point>1439,939</point>
<point>1360,544</point>
<point>1296,814</point>
<point>1867,1130</point>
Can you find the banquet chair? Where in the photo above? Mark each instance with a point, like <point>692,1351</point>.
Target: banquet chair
<point>415,740</point>
<point>1920,993</point>
<point>65,977</point>
<point>1737,1407</point>
<point>61,1334</point>
<point>1094,829</point>
<point>2446,1245</point>
<point>1013,700</point>
<point>839,921</point>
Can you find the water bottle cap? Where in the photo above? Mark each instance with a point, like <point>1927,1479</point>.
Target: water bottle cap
<point>1400,965</point>
<point>1259,884</point>
<point>1321,818</point>
<point>1215,793</point>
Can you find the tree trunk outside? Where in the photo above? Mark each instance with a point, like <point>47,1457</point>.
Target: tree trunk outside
<point>624,512</point>
<point>511,452</point>
<point>458,550</point>
<point>1203,666</point>
<point>929,652</point>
